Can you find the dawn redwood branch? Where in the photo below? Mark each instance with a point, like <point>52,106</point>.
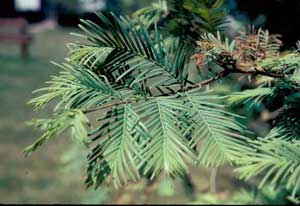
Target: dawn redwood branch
<point>220,75</point>
<point>226,72</point>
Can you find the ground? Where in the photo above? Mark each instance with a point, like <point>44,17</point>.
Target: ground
<point>41,178</point>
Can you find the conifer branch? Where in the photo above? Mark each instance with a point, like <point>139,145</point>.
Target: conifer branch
<point>219,76</point>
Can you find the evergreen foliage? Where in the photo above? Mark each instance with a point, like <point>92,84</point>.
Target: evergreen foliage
<point>184,19</point>
<point>152,118</point>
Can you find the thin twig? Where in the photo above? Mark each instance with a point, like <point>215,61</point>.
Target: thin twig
<point>107,106</point>
<point>226,72</point>
<point>207,81</point>
<point>220,75</point>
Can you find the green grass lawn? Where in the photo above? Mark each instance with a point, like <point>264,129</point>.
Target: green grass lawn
<point>39,178</point>
<point>36,179</point>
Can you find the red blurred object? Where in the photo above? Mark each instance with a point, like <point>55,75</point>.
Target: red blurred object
<point>20,34</point>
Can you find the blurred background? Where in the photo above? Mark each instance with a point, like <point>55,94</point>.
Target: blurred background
<point>34,32</point>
